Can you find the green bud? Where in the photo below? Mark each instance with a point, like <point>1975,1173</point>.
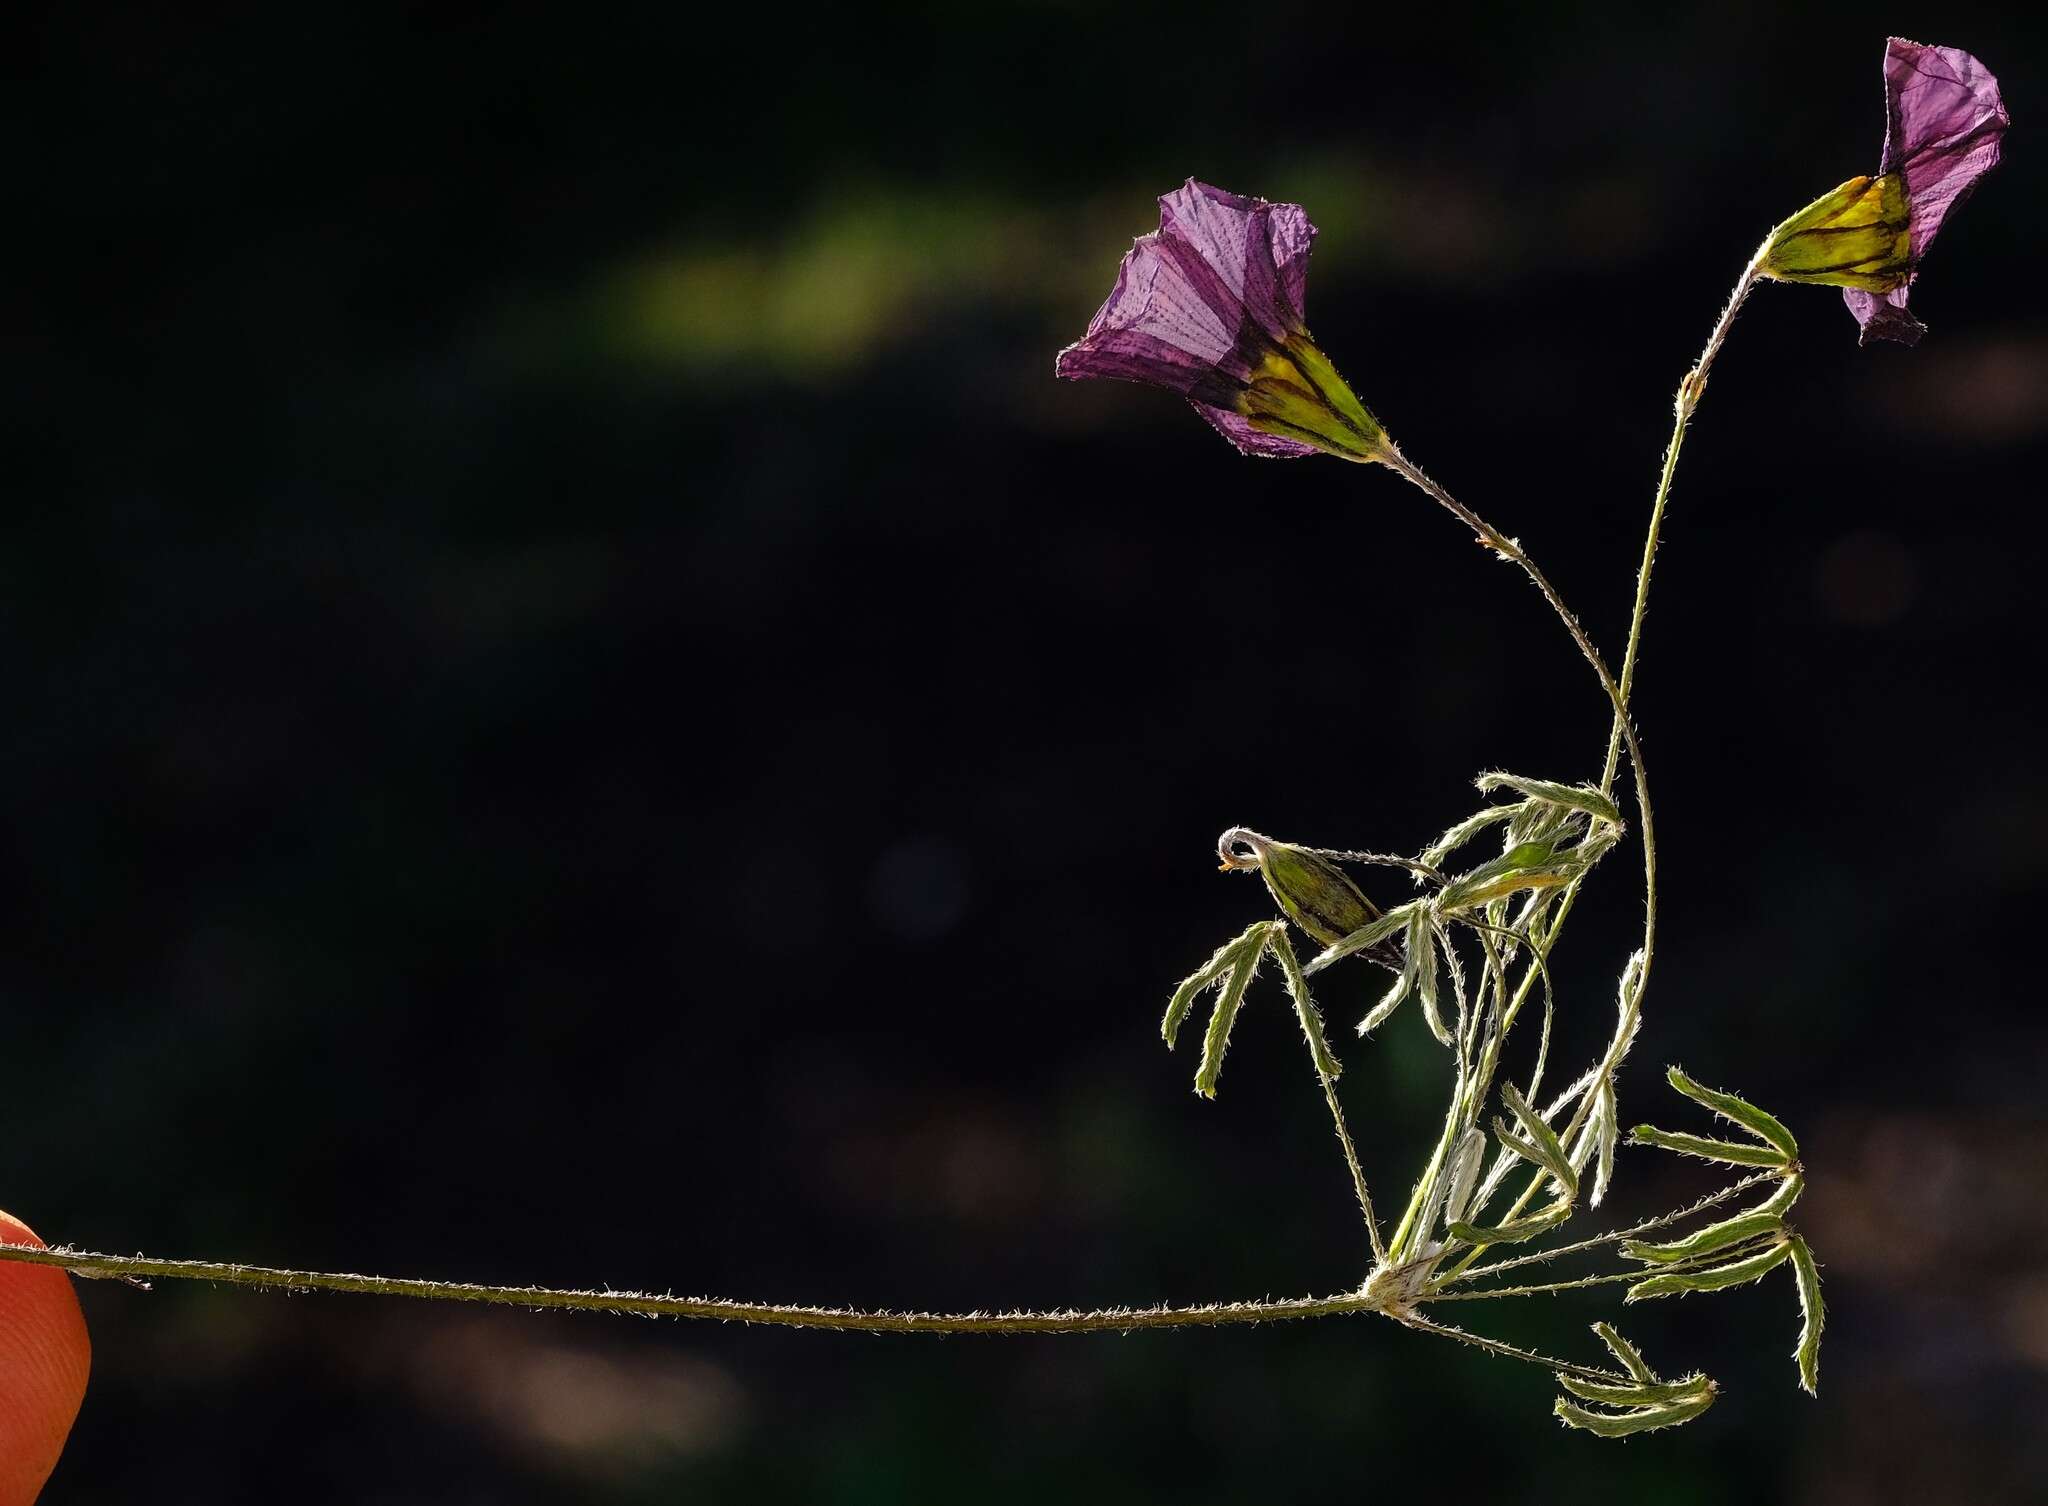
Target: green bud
<point>1858,236</point>
<point>1310,890</point>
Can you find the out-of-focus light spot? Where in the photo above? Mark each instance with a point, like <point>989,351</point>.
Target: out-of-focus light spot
<point>965,1160</point>
<point>1988,392</point>
<point>610,1408</point>
<point>918,890</point>
<point>1866,579</point>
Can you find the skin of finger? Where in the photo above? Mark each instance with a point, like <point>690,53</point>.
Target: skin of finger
<point>45,1357</point>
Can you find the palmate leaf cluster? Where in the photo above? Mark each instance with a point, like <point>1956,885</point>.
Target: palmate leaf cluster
<point>1550,837</point>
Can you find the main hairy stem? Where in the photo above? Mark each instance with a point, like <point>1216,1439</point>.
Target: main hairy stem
<point>136,1268</point>
<point>139,1268</point>
<point>1690,391</point>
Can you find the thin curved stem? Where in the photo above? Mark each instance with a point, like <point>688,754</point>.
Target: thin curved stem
<point>1358,1187</point>
<point>1690,391</point>
<point>1623,732</point>
<point>1495,1346</point>
<point>1320,1059</point>
<point>541,1298</point>
<point>1512,551</point>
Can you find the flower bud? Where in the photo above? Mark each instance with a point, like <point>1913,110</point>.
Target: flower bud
<point>1310,890</point>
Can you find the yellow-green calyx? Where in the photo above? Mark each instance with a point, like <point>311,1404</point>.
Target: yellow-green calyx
<point>1310,890</point>
<point>1858,236</point>
<point>1296,393</point>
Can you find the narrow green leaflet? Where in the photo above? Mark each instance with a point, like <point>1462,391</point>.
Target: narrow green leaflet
<point>1625,1354</point>
<point>1403,985</point>
<point>1304,1007</point>
<point>1457,836</point>
<point>1464,1178</point>
<point>1228,998</point>
<point>1768,1217</point>
<point>1394,920</point>
<point>1739,1111</point>
<point>1527,865</point>
<point>1422,962</point>
<point>1642,1420</point>
<point>1640,1394</point>
<point>1542,1145</point>
<point>1738,1273</point>
<point>1728,1152</point>
<point>1814,1313</point>
<point>1516,1232</point>
<point>1604,1131</point>
<point>1184,997</point>
<point>1582,797</point>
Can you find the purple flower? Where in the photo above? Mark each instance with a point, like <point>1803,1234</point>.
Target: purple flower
<point>1209,305</point>
<point>1943,121</point>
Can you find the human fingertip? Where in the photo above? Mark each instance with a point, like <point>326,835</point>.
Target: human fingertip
<point>45,1357</point>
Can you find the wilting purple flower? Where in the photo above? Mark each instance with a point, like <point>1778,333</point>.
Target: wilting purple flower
<point>1209,305</point>
<point>1943,121</point>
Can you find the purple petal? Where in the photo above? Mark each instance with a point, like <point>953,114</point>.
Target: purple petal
<point>1883,317</point>
<point>1218,267</point>
<point>1943,123</point>
<point>1257,251</point>
<point>1238,429</point>
<point>1156,326</point>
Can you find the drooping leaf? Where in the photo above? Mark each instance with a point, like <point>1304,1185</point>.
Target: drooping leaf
<point>1422,963</point>
<point>1228,998</point>
<point>1191,989</point>
<point>1813,1314</point>
<point>1304,1007</point>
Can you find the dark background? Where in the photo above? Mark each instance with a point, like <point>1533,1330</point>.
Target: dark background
<point>582,709</point>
